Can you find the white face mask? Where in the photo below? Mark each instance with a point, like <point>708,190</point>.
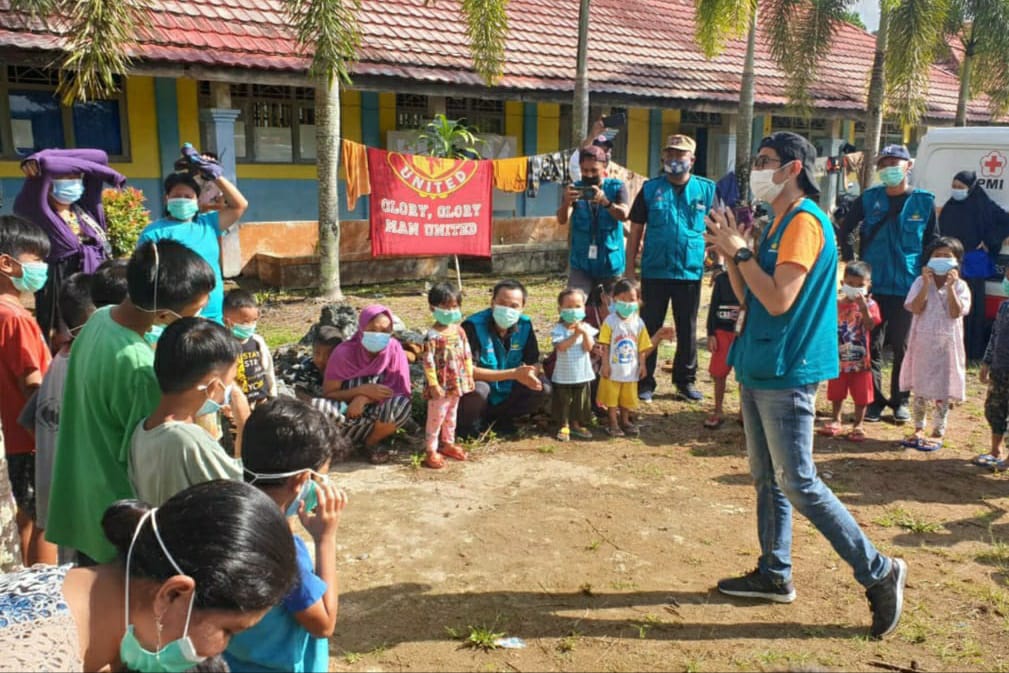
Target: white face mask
<point>763,185</point>
<point>852,292</point>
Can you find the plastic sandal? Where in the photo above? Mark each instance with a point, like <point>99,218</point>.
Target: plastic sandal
<point>435,462</point>
<point>581,433</point>
<point>613,431</point>
<point>829,430</point>
<point>631,430</point>
<point>452,451</point>
<point>713,422</point>
<point>564,435</point>
<point>855,436</point>
<point>985,460</point>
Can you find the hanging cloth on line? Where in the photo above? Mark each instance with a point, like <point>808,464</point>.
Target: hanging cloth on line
<point>551,167</point>
<point>355,164</point>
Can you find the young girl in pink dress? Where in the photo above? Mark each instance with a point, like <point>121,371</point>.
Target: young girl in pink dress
<point>934,368</point>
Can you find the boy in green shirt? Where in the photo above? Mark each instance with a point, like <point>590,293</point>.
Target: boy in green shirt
<point>195,363</point>
<point>111,386</point>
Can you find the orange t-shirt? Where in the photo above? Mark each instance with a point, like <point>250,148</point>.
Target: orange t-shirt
<point>22,351</point>
<point>801,243</point>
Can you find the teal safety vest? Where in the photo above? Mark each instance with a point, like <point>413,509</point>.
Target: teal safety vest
<point>495,354</point>
<point>894,250</point>
<point>674,233</point>
<point>592,224</point>
<point>799,347</point>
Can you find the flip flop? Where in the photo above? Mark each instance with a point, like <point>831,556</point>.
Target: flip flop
<point>855,436</point>
<point>452,451</point>
<point>581,433</point>
<point>1000,465</point>
<point>434,462</point>
<point>985,460</point>
<point>713,422</point>
<point>614,431</point>
<point>921,444</point>
<point>631,430</point>
<point>829,430</point>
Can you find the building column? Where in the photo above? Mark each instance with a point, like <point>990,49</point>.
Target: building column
<point>166,105</point>
<point>724,149</point>
<point>220,125</point>
<point>655,142</point>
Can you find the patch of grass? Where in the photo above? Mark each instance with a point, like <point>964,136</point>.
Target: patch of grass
<point>594,545</point>
<point>477,637</point>
<point>567,644</point>
<point>623,585</point>
<point>485,439</point>
<point>997,555</point>
<point>281,335</point>
<point>417,460</point>
<point>547,449</point>
<point>642,628</point>
<point>692,666</point>
<point>901,518</point>
<point>352,657</point>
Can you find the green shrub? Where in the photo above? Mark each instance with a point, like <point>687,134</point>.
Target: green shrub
<point>125,218</point>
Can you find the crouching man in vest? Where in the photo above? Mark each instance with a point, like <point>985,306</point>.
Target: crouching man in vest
<point>787,344</point>
<point>506,359</point>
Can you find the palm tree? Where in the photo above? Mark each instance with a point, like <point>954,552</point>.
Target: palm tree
<point>580,108</point>
<point>102,32</point>
<point>980,27</point>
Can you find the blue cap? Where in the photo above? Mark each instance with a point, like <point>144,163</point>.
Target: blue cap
<point>895,151</point>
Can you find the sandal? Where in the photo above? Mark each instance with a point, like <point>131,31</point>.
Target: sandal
<point>614,431</point>
<point>921,444</point>
<point>985,460</point>
<point>856,435</point>
<point>453,451</point>
<point>581,433</point>
<point>631,430</point>
<point>1000,465</point>
<point>434,461</point>
<point>713,422</point>
<point>829,430</point>
<point>564,434</point>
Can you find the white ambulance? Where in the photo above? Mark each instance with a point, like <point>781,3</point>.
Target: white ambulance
<point>943,152</point>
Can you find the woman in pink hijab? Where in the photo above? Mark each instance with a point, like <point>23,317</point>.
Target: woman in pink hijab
<point>371,374</point>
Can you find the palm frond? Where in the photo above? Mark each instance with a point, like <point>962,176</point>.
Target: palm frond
<point>914,40</point>
<point>329,29</point>
<point>487,27</point>
<point>991,51</point>
<point>718,21</point>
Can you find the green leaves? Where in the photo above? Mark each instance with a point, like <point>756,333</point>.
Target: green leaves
<point>329,29</point>
<point>449,139</point>
<point>718,21</point>
<point>989,22</point>
<point>487,27</point>
<point>914,39</point>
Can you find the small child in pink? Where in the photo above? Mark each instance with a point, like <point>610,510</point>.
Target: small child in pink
<point>448,374</point>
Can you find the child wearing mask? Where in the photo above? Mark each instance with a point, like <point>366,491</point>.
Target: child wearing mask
<point>287,456</point>
<point>448,374</point>
<point>111,386</point>
<point>573,340</point>
<point>934,368</point>
<point>857,316</point>
<point>24,359</point>
<point>195,364</point>
<point>255,366</point>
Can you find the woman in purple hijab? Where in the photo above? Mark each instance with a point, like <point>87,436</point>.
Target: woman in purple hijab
<point>371,374</point>
<point>62,194</point>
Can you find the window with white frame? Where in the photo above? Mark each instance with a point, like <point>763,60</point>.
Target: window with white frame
<point>35,119</point>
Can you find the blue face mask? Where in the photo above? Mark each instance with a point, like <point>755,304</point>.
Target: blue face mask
<point>891,176</point>
<point>570,315</point>
<point>447,316</point>
<point>33,276</point>
<point>152,335</point>
<point>506,316</point>
<point>375,342</point>
<point>68,191</point>
<point>308,495</point>
<point>243,332</point>
<point>182,209</point>
<point>625,309</point>
<point>212,406</point>
<point>942,265</point>
<point>178,655</point>
<point>958,194</point>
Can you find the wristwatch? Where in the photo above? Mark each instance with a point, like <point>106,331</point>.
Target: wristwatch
<point>742,255</point>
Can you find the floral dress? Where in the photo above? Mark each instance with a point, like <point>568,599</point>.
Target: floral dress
<point>37,630</point>
<point>935,365</point>
<point>10,549</point>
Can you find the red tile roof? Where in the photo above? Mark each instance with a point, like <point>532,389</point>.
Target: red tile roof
<point>639,49</point>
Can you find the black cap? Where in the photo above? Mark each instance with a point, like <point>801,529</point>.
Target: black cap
<point>602,141</point>
<point>895,151</point>
<point>793,147</point>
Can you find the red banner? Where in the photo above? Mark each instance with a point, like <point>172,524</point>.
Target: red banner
<point>429,206</point>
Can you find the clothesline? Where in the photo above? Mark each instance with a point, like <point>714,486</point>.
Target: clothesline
<point>514,174</point>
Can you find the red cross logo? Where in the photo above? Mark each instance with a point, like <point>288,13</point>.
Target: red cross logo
<point>992,164</point>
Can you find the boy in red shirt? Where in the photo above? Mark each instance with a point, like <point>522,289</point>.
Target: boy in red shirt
<point>857,315</point>
<point>24,358</point>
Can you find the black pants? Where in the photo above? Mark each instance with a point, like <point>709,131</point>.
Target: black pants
<point>685,296</point>
<point>893,330</point>
<point>976,328</point>
<point>476,412</point>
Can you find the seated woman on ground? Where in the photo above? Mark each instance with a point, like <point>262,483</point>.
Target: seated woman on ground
<point>371,374</point>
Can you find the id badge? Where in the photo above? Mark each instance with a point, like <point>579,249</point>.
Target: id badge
<point>593,251</point>
<point>740,321</point>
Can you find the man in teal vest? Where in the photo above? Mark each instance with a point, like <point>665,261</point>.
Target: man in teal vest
<point>893,224</point>
<point>506,367</point>
<point>669,212</point>
<point>787,344</point>
<point>596,207</point>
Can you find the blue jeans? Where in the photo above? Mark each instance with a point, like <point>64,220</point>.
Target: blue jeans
<point>779,443</point>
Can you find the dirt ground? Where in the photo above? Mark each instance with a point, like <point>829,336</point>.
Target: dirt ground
<point>603,555</point>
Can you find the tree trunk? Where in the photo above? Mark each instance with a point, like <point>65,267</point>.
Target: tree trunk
<point>580,107</point>
<point>874,102</point>
<point>961,103</point>
<point>744,126</point>
<point>327,143</point>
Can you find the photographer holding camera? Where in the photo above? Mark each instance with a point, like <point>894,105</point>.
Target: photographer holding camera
<point>596,207</point>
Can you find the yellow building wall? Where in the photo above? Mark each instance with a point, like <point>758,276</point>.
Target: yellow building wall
<point>515,123</point>
<point>670,123</point>
<point>386,116</point>
<point>187,97</point>
<point>548,128</point>
<point>637,140</point>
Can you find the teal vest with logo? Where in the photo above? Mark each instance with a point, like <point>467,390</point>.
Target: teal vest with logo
<point>894,251</point>
<point>592,224</point>
<point>494,354</point>
<point>798,347</point>
<point>674,233</point>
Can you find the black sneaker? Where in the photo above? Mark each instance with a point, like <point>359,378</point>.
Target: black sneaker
<point>901,414</point>
<point>874,412</point>
<point>758,585</point>
<point>690,393</point>
<point>886,600</point>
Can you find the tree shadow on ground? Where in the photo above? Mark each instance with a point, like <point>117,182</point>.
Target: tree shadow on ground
<point>365,623</point>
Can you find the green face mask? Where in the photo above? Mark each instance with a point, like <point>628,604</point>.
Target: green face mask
<point>152,335</point>
<point>243,332</point>
<point>178,655</point>
<point>447,316</point>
